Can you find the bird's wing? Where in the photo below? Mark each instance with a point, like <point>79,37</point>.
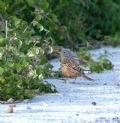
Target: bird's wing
<point>73,65</point>
<point>75,68</point>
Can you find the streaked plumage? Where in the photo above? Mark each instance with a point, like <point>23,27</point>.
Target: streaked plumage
<point>70,66</point>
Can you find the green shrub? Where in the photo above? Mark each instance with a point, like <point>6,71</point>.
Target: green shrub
<point>99,65</point>
<point>83,20</point>
<point>20,73</point>
<point>23,61</point>
<point>61,22</point>
<point>113,40</point>
<point>35,25</point>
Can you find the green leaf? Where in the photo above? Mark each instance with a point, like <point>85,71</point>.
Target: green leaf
<point>2,41</point>
<point>40,27</point>
<point>34,23</point>
<point>44,4</point>
<point>1,52</point>
<point>38,17</point>
<point>50,50</point>
<point>1,70</point>
<point>31,2</point>
<point>16,21</point>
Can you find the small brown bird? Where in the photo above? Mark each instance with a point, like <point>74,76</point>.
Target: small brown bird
<point>69,66</point>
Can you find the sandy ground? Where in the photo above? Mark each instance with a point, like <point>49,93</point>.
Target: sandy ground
<point>73,103</point>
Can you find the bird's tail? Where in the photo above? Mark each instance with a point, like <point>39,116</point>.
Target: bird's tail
<point>86,77</point>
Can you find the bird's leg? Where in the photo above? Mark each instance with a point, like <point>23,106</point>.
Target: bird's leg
<point>67,80</point>
<point>64,80</point>
<point>74,81</point>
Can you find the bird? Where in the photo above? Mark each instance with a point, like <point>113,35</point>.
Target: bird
<point>70,66</point>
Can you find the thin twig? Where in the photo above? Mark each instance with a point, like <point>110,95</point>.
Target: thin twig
<point>6,30</point>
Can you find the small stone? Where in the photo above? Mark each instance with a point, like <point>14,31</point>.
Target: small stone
<point>105,83</point>
<point>118,84</point>
<point>45,104</point>
<point>93,103</point>
<point>8,109</point>
<point>10,101</point>
<point>26,101</point>
<point>28,107</point>
<point>77,114</point>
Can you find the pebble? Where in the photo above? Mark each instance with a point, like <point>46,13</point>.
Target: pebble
<point>8,109</point>
<point>77,114</point>
<point>28,107</point>
<point>26,101</point>
<point>93,103</point>
<point>105,83</point>
<point>10,101</point>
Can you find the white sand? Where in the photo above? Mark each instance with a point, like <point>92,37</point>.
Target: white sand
<point>73,102</point>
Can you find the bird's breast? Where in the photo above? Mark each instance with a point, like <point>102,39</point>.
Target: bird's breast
<point>67,71</point>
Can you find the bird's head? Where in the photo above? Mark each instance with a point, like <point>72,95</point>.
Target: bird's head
<point>60,51</point>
